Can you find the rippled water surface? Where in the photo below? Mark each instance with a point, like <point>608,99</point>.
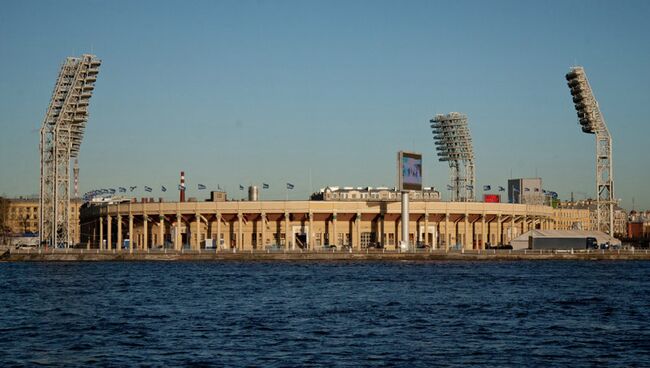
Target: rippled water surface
<point>325,314</point>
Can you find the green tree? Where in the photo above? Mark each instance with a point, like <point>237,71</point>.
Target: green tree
<point>4,219</point>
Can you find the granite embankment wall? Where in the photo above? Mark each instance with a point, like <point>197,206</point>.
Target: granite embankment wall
<point>72,255</point>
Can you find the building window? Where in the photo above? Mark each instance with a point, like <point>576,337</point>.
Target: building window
<point>366,239</point>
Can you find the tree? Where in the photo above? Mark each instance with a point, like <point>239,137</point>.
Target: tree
<point>4,220</point>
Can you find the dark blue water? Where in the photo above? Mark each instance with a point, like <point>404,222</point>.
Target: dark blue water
<point>325,314</point>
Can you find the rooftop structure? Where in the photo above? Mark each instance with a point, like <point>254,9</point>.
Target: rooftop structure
<point>373,194</point>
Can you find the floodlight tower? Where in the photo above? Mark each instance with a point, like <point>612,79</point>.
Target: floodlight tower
<point>454,145</point>
<point>592,122</point>
<point>61,135</point>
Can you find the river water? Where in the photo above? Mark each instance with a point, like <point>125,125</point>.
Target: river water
<point>279,314</point>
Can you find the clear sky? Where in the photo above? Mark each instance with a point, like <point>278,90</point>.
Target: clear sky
<point>325,93</point>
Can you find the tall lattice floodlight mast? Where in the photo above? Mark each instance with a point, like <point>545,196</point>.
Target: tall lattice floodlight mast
<point>454,145</point>
<point>592,122</point>
<point>61,135</point>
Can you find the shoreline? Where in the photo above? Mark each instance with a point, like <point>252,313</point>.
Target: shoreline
<point>94,255</point>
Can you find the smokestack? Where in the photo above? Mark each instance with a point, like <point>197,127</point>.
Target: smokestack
<point>182,188</point>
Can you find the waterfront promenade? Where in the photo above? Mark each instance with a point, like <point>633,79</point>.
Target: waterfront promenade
<point>36,254</point>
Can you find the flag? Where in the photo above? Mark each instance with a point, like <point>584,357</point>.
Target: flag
<point>180,187</point>
<point>122,190</point>
<point>133,187</point>
<point>148,189</point>
<point>449,187</point>
<point>526,189</point>
<point>265,186</point>
<point>163,188</point>
<point>241,187</point>
<point>201,186</point>
<point>501,189</point>
<point>289,186</point>
<point>487,187</point>
<point>515,189</point>
<point>112,191</point>
<point>469,187</point>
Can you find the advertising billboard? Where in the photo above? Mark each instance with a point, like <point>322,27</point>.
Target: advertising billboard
<point>409,171</point>
<point>491,198</point>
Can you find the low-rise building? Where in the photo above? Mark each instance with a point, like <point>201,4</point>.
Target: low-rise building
<point>427,194</point>
<point>21,216</point>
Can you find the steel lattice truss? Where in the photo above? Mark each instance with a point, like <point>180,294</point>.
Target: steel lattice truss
<point>454,145</point>
<point>592,122</point>
<point>61,135</point>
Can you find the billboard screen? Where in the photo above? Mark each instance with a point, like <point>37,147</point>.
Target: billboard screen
<point>409,170</point>
<point>491,198</point>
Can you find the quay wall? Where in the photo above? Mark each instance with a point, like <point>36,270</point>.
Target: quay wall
<point>74,255</point>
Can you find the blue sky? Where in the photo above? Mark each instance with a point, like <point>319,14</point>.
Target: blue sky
<point>326,93</point>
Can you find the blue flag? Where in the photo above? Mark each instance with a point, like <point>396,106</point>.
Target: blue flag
<point>148,189</point>
<point>122,189</point>
<point>241,187</point>
<point>112,191</point>
<point>501,189</point>
<point>133,187</point>
<point>201,186</point>
<point>449,187</point>
<point>487,187</point>
<point>265,186</point>
<point>163,188</point>
<point>469,187</point>
<point>289,186</point>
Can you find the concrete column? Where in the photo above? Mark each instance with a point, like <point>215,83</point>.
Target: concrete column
<point>512,229</point>
<point>357,232</point>
<point>426,228</point>
<point>161,230</point>
<point>286,231</point>
<point>240,232</point>
<point>130,233</point>
<point>483,233</point>
<point>447,237</point>
<point>197,223</point>
<point>218,230</point>
<point>145,233</point>
<point>498,229</point>
<point>405,218</point>
<point>524,224</point>
<point>311,231</point>
<point>334,238</point>
<point>119,233</point>
<point>109,234</point>
<point>177,237</point>
<point>263,224</point>
<point>468,234</point>
<point>101,233</point>
<point>382,230</point>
